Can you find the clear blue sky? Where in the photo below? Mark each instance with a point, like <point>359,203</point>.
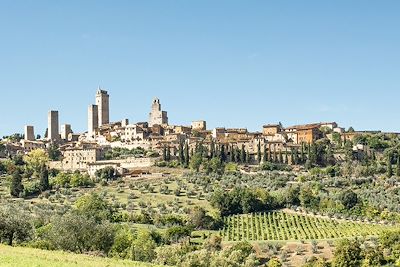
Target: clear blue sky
<point>232,63</point>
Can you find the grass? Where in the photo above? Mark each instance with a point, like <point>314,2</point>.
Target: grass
<point>281,226</point>
<point>28,257</point>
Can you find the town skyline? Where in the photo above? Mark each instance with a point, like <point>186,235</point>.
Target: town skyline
<point>79,123</point>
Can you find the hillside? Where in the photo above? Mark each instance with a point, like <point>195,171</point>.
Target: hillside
<point>28,257</point>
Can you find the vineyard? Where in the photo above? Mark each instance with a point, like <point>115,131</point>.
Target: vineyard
<point>281,226</point>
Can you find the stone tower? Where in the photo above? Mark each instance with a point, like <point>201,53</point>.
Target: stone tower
<point>103,104</point>
<point>65,131</point>
<point>93,119</point>
<point>157,116</point>
<point>53,126</point>
<point>29,133</point>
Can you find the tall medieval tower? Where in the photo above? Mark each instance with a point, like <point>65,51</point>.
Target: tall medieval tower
<point>157,116</point>
<point>102,101</point>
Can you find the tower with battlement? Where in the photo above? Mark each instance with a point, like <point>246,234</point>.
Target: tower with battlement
<point>103,104</point>
<point>157,116</point>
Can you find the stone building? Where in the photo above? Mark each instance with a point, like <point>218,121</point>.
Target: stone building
<point>157,116</point>
<point>77,158</point>
<point>65,131</point>
<point>53,126</point>
<point>103,104</point>
<point>199,125</point>
<point>29,133</point>
<point>93,120</point>
<point>307,133</point>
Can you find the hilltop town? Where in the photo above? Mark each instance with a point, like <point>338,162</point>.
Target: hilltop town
<point>87,151</point>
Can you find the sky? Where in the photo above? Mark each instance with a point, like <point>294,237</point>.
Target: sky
<point>231,63</point>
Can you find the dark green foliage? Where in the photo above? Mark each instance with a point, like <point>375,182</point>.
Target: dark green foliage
<point>107,173</point>
<point>15,225</point>
<point>80,233</point>
<point>177,233</point>
<point>54,153</point>
<point>347,254</point>
<point>120,153</point>
<point>349,199</point>
<point>186,155</point>
<point>242,200</point>
<point>16,187</point>
<point>389,169</point>
<point>44,178</point>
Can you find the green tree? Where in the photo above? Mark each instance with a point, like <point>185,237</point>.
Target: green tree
<point>187,157</point>
<point>181,153</point>
<point>389,170</point>
<point>286,156</point>
<point>16,186</point>
<point>259,152</point>
<point>216,165</point>
<point>107,173</point>
<point>243,155</point>
<point>347,254</point>
<point>349,199</point>
<point>223,154</point>
<point>168,154</point>
<point>280,156</point>
<point>122,242</point>
<point>15,224</point>
<point>398,166</point>
<point>164,153</point>
<point>78,233</point>
<point>196,161</point>
<point>143,247</point>
<point>265,154</point>
<point>54,152</point>
<point>92,205</point>
<point>44,178</point>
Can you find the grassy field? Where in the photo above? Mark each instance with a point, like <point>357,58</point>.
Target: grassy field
<point>27,257</point>
<point>281,226</point>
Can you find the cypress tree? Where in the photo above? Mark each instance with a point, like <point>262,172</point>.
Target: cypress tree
<point>259,151</point>
<point>243,155</point>
<point>275,155</point>
<point>16,186</point>
<point>44,178</point>
<point>212,149</point>
<point>269,156</point>
<point>164,154</point>
<point>181,154</point>
<point>223,154</point>
<point>302,156</point>
<point>280,156</point>
<point>265,156</point>
<point>186,155</point>
<point>168,154</point>
<point>232,154</point>
<point>389,167</point>
<point>286,156</point>
<point>398,166</point>
<point>296,156</point>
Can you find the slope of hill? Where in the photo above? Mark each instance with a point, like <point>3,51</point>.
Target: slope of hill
<point>28,257</point>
